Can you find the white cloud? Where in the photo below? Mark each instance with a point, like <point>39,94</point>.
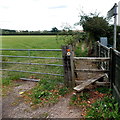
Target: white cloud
<point>45,14</point>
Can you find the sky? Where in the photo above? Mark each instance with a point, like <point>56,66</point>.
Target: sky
<point>45,14</point>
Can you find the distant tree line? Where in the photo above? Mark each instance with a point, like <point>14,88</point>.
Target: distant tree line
<point>53,31</point>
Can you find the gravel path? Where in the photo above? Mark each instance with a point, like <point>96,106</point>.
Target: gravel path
<point>13,105</point>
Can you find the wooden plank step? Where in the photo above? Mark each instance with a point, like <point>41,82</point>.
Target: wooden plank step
<point>92,58</point>
<point>78,82</point>
<point>87,82</point>
<point>92,70</point>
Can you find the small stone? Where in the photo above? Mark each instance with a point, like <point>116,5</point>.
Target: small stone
<point>20,93</point>
<point>74,93</point>
<point>88,102</point>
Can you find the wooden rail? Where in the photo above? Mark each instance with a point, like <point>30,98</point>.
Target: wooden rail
<point>92,58</point>
<point>92,70</point>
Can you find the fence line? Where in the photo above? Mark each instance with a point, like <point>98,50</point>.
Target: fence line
<point>113,65</point>
<point>103,51</point>
<point>115,73</point>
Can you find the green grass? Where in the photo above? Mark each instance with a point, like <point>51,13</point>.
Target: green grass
<point>30,42</point>
<point>48,91</point>
<point>104,108</point>
<point>107,108</point>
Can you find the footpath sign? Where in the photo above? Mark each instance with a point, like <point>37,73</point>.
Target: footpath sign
<point>104,41</point>
<point>112,12</point>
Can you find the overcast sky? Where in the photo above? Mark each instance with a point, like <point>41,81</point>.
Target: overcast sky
<point>46,14</point>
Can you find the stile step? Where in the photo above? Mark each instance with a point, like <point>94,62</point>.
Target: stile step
<point>87,82</point>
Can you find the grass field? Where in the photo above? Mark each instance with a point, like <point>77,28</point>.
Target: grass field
<point>30,42</point>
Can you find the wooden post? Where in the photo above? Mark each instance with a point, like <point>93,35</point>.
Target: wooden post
<point>111,66</point>
<point>72,67</point>
<point>65,65</point>
<point>67,54</point>
<point>97,51</point>
<point>99,55</point>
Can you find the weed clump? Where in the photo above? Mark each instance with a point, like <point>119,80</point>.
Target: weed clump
<point>48,91</point>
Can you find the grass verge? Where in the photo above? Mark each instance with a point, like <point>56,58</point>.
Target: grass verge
<point>96,103</point>
<point>47,92</point>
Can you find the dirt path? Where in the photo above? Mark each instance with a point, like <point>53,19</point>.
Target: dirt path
<point>14,106</point>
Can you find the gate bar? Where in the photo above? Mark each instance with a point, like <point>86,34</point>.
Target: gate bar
<point>31,49</point>
<point>31,63</point>
<point>31,72</point>
<point>31,57</point>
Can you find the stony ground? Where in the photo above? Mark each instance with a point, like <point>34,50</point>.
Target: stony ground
<point>14,106</point>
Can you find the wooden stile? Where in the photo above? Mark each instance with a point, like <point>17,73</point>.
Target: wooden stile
<point>86,83</point>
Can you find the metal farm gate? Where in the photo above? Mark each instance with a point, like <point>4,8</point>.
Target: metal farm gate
<point>31,60</point>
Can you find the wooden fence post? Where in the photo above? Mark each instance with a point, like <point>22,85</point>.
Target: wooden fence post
<point>111,67</point>
<point>97,49</point>
<point>99,54</point>
<point>67,54</point>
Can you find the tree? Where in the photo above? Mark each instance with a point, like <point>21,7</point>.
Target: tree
<point>54,29</point>
<point>94,25</point>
